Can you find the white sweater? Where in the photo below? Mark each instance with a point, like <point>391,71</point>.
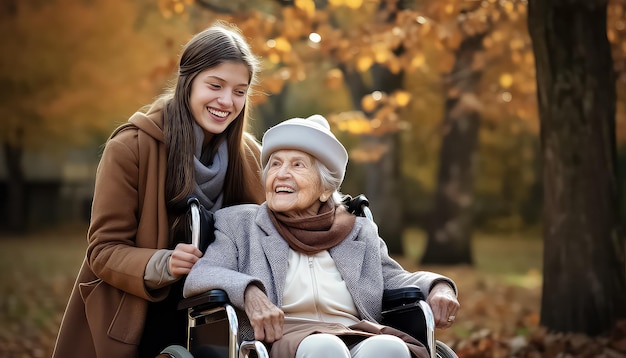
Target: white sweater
<point>315,290</point>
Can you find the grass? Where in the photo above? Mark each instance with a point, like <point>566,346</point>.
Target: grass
<point>517,258</point>
<point>36,277</point>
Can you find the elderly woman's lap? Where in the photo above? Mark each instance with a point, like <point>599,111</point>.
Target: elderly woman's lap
<point>328,345</point>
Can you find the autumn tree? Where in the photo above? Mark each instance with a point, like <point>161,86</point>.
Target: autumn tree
<point>68,76</point>
<point>584,286</point>
<point>481,34</point>
<point>450,226</point>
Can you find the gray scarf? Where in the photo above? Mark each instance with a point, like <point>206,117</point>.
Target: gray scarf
<point>210,172</point>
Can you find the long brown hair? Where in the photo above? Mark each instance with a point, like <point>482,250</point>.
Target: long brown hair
<point>215,45</point>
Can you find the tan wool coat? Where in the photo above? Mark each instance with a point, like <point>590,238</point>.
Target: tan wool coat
<point>107,307</point>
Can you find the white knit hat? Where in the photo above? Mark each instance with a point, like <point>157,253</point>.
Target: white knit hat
<point>311,135</point>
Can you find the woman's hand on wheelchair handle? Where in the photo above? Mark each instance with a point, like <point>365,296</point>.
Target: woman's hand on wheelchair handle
<point>444,304</point>
<point>183,258</point>
<point>266,319</point>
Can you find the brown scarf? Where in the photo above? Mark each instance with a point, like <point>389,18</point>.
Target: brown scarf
<point>317,233</point>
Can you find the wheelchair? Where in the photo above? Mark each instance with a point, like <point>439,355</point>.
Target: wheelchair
<point>213,327</point>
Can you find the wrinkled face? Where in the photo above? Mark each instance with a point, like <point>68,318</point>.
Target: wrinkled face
<point>218,95</point>
<point>292,184</point>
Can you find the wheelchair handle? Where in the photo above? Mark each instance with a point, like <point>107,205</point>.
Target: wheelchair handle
<point>194,225</point>
<point>359,206</point>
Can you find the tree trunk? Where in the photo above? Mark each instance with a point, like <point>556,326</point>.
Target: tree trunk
<point>383,177</point>
<point>16,195</point>
<point>271,112</point>
<point>450,228</point>
<point>584,286</point>
<point>383,189</point>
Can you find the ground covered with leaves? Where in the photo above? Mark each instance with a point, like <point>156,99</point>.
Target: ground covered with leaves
<point>499,317</point>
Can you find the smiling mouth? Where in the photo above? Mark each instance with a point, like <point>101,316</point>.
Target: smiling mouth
<point>221,114</point>
<point>283,189</point>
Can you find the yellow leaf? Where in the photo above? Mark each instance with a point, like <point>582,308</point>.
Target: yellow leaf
<point>364,63</point>
<point>179,8</point>
<point>509,7</point>
<point>381,55</point>
<point>418,60</point>
<point>354,4</point>
<point>506,80</point>
<point>308,6</point>
<point>402,98</point>
<point>395,66</point>
<point>358,126</point>
<point>274,57</point>
<point>281,44</point>
<point>368,103</point>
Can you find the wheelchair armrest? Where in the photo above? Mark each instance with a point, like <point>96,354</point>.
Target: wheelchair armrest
<point>207,300</point>
<point>397,297</point>
<point>406,309</point>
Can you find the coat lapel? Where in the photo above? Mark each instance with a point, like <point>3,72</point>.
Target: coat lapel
<point>276,252</point>
<point>348,257</point>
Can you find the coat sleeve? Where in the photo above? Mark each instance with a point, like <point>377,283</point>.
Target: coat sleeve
<point>220,267</point>
<point>112,253</point>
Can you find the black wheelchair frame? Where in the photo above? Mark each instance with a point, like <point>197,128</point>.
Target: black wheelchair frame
<point>404,308</point>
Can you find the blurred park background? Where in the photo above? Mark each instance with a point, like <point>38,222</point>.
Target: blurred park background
<point>436,102</point>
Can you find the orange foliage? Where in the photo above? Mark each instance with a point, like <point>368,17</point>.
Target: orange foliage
<point>419,42</point>
<point>365,34</point>
<point>72,74</point>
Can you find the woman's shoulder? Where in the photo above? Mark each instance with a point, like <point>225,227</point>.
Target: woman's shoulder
<point>237,212</point>
<point>238,220</point>
<point>139,122</point>
<point>366,228</point>
<point>123,140</point>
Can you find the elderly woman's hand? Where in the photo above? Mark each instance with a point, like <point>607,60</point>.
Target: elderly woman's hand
<point>442,300</point>
<point>266,319</point>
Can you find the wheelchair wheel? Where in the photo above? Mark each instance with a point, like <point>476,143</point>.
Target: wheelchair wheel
<point>175,351</point>
<point>443,351</point>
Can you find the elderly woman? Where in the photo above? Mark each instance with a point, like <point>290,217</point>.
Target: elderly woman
<point>309,275</point>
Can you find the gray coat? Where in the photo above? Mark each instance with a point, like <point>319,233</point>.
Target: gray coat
<point>249,249</point>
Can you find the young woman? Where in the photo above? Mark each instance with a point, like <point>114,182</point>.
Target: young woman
<point>190,141</point>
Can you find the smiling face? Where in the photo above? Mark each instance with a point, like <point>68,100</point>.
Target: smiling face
<point>218,96</point>
<point>292,184</point>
